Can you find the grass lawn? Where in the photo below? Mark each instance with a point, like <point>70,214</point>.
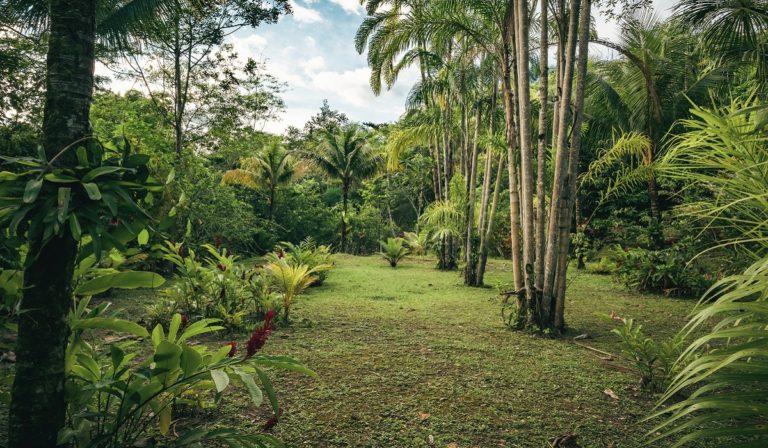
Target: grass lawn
<point>409,357</point>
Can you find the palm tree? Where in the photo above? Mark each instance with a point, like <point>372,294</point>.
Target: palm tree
<point>642,96</point>
<point>343,154</point>
<point>291,280</point>
<point>272,168</point>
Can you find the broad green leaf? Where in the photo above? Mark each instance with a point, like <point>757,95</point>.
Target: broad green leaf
<point>105,323</point>
<point>164,419</point>
<point>221,379</point>
<point>63,203</point>
<point>74,227</point>
<point>250,385</point>
<point>190,360</point>
<point>270,390</point>
<point>143,237</point>
<point>100,171</point>
<point>31,190</point>
<point>120,280</point>
<point>93,191</point>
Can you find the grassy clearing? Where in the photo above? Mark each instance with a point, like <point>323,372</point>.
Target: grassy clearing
<point>393,345</point>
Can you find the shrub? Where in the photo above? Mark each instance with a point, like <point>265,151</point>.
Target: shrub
<point>653,360</point>
<point>668,271</point>
<point>393,250</point>
<point>416,242</point>
<point>291,280</point>
<point>212,287</point>
<point>307,253</point>
<point>117,395</point>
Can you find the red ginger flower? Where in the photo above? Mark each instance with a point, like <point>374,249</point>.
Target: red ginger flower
<point>233,348</point>
<point>260,335</point>
<point>184,320</point>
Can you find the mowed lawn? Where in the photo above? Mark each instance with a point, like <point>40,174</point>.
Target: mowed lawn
<point>409,357</point>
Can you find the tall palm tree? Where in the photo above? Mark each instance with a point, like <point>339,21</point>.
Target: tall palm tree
<point>344,155</point>
<point>270,169</point>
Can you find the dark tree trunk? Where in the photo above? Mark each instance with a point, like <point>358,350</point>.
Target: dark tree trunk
<point>37,410</point>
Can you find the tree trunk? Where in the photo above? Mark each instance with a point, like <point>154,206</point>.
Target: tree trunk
<point>344,196</point>
<point>38,408</point>
<point>526,149</point>
<point>470,255</point>
<point>541,187</point>
<point>559,187</point>
<point>488,231</point>
<point>178,122</point>
<point>573,166</point>
<point>511,137</point>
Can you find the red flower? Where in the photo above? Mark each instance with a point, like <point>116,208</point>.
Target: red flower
<point>221,267</point>
<point>233,348</point>
<point>114,221</point>
<point>184,320</point>
<point>273,420</point>
<point>259,336</point>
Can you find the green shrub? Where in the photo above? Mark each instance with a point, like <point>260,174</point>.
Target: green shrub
<point>307,253</point>
<point>211,287</point>
<point>416,242</point>
<point>393,250</point>
<point>653,360</point>
<point>668,271</point>
<point>290,280</point>
<point>118,396</point>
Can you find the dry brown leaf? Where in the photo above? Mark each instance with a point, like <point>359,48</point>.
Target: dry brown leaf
<point>423,415</point>
<point>611,394</point>
<point>452,445</point>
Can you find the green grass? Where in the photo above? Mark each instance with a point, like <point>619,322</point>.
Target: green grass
<point>389,344</point>
<point>393,345</point>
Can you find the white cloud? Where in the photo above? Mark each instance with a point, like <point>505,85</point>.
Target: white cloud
<point>350,6</point>
<point>250,46</point>
<point>310,42</point>
<point>305,15</point>
<point>312,65</point>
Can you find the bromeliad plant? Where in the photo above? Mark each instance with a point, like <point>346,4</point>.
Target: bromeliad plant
<point>118,397</point>
<point>307,253</point>
<point>393,250</point>
<point>101,196</point>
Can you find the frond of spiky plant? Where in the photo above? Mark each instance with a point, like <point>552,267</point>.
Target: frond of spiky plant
<point>726,151</point>
<point>628,164</point>
<point>442,219</point>
<point>393,250</point>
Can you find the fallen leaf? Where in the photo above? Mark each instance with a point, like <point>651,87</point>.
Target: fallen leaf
<point>423,415</point>
<point>452,445</point>
<point>611,394</point>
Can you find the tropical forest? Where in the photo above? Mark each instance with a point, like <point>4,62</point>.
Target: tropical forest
<point>383,223</point>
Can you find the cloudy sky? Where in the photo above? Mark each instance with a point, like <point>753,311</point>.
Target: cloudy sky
<point>313,51</point>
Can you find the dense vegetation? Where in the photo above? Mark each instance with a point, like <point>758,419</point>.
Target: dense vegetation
<point>519,156</point>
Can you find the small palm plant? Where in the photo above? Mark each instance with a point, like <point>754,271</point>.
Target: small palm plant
<point>416,242</point>
<point>291,280</point>
<point>393,250</point>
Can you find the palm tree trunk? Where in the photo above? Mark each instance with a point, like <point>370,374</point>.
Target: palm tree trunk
<point>344,198</point>
<point>178,90</point>
<point>560,186</point>
<point>469,253</point>
<point>488,230</point>
<point>573,166</point>
<point>37,410</point>
<point>511,136</point>
<point>541,162</point>
<point>526,149</point>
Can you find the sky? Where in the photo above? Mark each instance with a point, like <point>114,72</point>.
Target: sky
<point>312,50</point>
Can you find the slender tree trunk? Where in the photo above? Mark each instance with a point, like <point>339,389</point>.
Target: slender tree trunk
<point>511,137</point>
<point>178,123</point>
<point>560,186</point>
<point>470,254</point>
<point>541,186</point>
<point>573,165</point>
<point>344,198</point>
<point>488,231</point>
<point>438,171</point>
<point>38,408</point>
<point>526,149</point>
